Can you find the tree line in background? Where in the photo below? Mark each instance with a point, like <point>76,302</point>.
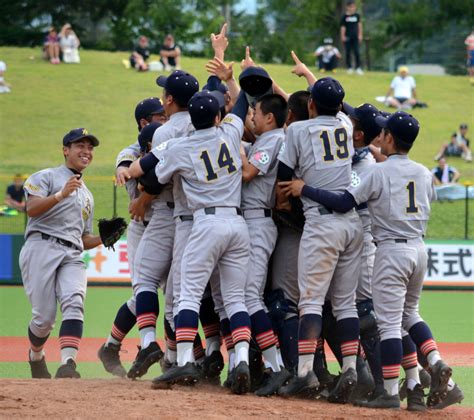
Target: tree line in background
<point>417,30</point>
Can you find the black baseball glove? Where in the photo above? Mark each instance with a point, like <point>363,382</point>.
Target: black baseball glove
<point>110,230</point>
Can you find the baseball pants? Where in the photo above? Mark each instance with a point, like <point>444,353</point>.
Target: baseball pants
<point>364,286</point>
<point>52,273</point>
<point>329,263</point>
<point>399,271</point>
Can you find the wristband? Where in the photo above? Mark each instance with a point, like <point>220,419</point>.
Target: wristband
<point>59,196</point>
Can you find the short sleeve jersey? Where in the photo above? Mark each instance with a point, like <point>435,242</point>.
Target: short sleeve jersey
<point>351,23</point>
<point>179,125</point>
<point>402,86</point>
<point>69,219</point>
<point>209,164</point>
<point>259,193</point>
<point>320,151</point>
<point>17,195</point>
<point>398,193</point>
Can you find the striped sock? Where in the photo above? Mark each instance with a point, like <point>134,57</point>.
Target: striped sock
<point>213,338</point>
<point>186,330</point>
<point>147,312</point>
<point>423,338</point>
<point>348,333</point>
<point>198,350</point>
<point>309,331</point>
<point>70,335</point>
<point>241,334</point>
<point>391,352</point>
<point>266,339</point>
<point>123,323</point>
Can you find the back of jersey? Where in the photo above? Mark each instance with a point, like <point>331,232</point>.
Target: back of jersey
<point>321,150</point>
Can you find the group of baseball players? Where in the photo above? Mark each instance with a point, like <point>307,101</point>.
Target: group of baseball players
<point>279,222</point>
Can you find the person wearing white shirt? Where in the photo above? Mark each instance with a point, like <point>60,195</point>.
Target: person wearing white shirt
<point>402,92</point>
<point>69,43</point>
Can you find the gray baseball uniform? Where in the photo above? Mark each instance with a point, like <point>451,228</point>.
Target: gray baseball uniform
<point>364,286</point>
<point>210,167</point>
<point>398,193</point>
<point>50,260</point>
<point>258,198</point>
<point>331,245</point>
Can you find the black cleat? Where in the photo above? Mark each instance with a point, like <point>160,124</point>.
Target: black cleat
<point>241,379</point>
<point>39,370</point>
<point>109,356</point>
<point>272,382</point>
<point>186,375</point>
<point>416,399</point>
<point>212,366</point>
<point>345,385</point>
<point>365,384</point>
<point>165,364</point>
<point>453,397</point>
<point>68,370</point>
<point>425,380</point>
<point>145,358</point>
<point>228,381</point>
<point>440,374</point>
<point>382,401</point>
<point>306,386</point>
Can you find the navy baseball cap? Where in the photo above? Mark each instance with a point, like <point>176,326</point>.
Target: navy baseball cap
<point>78,134</point>
<point>179,84</point>
<point>328,93</point>
<point>365,114</point>
<point>148,106</point>
<point>203,108</point>
<point>146,135</point>
<point>220,88</point>
<point>403,126</point>
<point>255,81</point>
<point>219,96</point>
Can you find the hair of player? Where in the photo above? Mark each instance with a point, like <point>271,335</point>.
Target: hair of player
<point>275,104</point>
<point>298,104</point>
<point>180,103</point>
<point>400,145</point>
<point>322,110</point>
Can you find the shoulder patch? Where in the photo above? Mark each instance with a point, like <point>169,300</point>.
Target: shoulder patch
<point>31,187</point>
<point>261,157</point>
<point>162,146</point>
<point>227,119</point>
<point>355,179</point>
<point>282,149</point>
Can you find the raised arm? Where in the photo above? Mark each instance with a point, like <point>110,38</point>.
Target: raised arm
<point>219,43</point>
<point>300,69</point>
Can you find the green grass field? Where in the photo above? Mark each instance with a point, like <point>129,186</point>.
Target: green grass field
<point>100,94</point>
<point>450,314</point>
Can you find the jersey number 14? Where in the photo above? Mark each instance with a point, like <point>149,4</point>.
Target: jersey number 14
<point>224,160</point>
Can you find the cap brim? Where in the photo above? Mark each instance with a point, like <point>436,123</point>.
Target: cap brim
<point>157,111</point>
<point>161,81</point>
<point>349,110</point>
<point>381,121</point>
<point>219,97</point>
<point>93,139</point>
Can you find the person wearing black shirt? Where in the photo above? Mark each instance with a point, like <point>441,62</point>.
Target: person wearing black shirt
<point>170,54</point>
<point>351,36</point>
<point>15,196</point>
<point>140,55</point>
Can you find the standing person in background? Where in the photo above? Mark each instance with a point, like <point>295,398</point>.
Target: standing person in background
<point>170,54</point>
<point>328,56</point>
<point>51,46</point>
<point>351,36</point>
<point>140,55</point>
<point>469,42</point>
<point>69,43</point>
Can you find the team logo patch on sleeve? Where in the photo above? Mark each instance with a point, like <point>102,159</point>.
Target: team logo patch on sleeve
<point>162,146</point>
<point>355,179</point>
<point>161,162</point>
<point>261,157</point>
<point>282,149</point>
<point>227,119</point>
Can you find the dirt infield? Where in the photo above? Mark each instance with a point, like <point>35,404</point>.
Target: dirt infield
<point>119,398</point>
<point>14,349</point>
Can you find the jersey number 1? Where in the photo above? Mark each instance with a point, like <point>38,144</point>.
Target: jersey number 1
<point>224,160</point>
<point>411,198</point>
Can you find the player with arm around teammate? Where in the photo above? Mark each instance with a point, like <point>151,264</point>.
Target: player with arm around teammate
<point>398,193</point>
<point>60,212</point>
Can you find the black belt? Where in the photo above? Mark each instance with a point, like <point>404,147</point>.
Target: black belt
<point>59,241</point>
<point>324,210</point>
<point>267,213</point>
<point>145,223</point>
<point>186,218</point>
<point>397,241</point>
<point>212,210</point>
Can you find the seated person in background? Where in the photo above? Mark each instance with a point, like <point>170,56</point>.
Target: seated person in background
<point>328,56</point>
<point>51,46</point>
<point>402,92</point>
<point>170,54</point>
<point>458,146</point>
<point>140,55</point>
<point>445,174</point>
<point>15,196</point>
<point>4,86</point>
<point>69,43</point>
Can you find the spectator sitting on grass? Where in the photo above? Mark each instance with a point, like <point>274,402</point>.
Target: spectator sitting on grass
<point>445,174</point>
<point>51,46</point>
<point>328,56</point>
<point>69,43</point>
<point>4,86</point>
<point>403,89</point>
<point>170,54</point>
<point>458,146</point>
<point>140,55</point>
<point>15,196</point>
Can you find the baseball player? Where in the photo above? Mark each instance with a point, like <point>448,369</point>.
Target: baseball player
<point>398,194</point>
<point>60,211</point>
<point>154,253</point>
<point>321,149</point>
<point>209,164</point>
<point>148,113</point>
<point>259,170</point>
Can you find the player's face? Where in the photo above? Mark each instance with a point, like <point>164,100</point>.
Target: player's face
<point>387,143</point>
<point>259,120</point>
<point>79,154</point>
<point>351,8</point>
